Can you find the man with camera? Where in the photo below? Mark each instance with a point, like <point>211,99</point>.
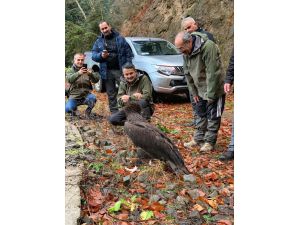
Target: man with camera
<point>112,51</point>
<point>80,79</point>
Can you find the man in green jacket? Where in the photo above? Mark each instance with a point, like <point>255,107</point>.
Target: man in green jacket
<point>202,68</point>
<point>81,80</point>
<point>133,87</point>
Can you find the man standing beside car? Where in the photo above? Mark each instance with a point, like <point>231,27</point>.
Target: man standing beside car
<point>81,79</point>
<point>112,51</point>
<point>202,68</point>
<point>190,25</point>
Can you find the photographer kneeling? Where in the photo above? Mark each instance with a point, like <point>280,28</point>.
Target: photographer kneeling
<point>81,79</point>
<point>133,87</point>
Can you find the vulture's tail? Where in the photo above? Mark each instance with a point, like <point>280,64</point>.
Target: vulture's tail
<point>177,160</point>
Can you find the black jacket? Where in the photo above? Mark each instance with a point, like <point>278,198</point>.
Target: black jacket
<point>230,70</point>
<point>209,35</point>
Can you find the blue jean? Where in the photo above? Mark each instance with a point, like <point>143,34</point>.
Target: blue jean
<point>72,104</point>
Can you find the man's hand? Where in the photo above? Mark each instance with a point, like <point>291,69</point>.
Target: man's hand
<point>104,54</point>
<point>125,98</point>
<point>138,95</point>
<point>82,70</point>
<point>227,87</point>
<point>89,72</point>
<point>196,98</point>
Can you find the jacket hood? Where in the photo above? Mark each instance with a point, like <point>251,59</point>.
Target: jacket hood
<point>199,41</point>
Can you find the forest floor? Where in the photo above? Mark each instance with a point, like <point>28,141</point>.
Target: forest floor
<point>116,190</point>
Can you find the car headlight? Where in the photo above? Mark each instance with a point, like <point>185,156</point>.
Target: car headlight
<point>170,70</point>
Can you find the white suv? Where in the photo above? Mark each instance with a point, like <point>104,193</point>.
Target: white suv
<point>156,58</point>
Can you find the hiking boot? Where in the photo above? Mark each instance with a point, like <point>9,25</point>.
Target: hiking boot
<point>190,124</point>
<point>229,155</point>
<point>190,144</point>
<point>206,147</point>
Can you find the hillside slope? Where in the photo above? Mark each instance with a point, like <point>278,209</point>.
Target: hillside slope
<point>162,18</point>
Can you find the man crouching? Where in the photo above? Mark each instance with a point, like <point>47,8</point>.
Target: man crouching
<point>133,87</point>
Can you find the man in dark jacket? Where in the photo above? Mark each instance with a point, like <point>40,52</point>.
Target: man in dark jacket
<point>112,51</point>
<point>202,68</point>
<point>229,155</point>
<point>133,87</point>
<point>80,79</point>
<point>190,25</point>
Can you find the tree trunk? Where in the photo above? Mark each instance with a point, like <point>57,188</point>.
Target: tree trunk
<point>81,9</point>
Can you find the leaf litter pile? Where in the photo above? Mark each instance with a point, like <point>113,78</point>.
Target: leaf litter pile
<point>118,188</point>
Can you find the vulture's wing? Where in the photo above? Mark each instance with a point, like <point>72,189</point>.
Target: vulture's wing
<point>154,142</point>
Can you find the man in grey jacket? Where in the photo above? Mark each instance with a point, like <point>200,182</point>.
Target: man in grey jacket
<point>202,68</point>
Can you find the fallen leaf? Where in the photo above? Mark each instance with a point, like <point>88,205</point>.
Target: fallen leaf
<point>120,171</point>
<point>198,207</point>
<point>160,185</point>
<point>224,222</point>
<point>140,190</point>
<point>156,206</point>
<point>146,215</point>
<point>123,216</point>
<point>159,215</point>
<point>131,170</point>
<point>211,176</point>
<point>213,203</point>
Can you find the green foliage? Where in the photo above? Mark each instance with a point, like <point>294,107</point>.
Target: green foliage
<point>163,128</point>
<point>146,215</point>
<point>116,206</point>
<point>96,166</point>
<point>208,218</point>
<point>166,130</point>
<point>77,39</point>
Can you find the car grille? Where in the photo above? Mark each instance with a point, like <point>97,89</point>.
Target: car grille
<point>177,83</point>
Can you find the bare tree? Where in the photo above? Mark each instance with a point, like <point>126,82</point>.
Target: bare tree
<point>81,10</point>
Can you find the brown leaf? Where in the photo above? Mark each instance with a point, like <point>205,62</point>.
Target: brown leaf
<point>156,206</point>
<point>211,176</point>
<point>213,203</point>
<point>160,185</point>
<point>159,215</point>
<point>140,190</point>
<point>120,171</point>
<point>198,207</point>
<point>108,151</point>
<point>183,192</point>
<point>123,216</point>
<point>224,222</point>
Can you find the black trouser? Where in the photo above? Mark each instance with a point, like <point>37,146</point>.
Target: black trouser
<point>209,120</point>
<point>195,107</point>
<point>119,117</point>
<point>113,79</point>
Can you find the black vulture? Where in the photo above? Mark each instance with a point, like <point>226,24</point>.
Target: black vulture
<point>153,141</point>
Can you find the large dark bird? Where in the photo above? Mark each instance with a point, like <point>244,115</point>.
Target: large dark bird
<point>153,141</point>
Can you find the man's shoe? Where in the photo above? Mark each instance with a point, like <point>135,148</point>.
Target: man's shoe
<point>190,144</point>
<point>229,155</point>
<point>190,124</point>
<point>206,147</point>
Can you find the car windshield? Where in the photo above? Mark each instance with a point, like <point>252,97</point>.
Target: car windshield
<point>155,48</point>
